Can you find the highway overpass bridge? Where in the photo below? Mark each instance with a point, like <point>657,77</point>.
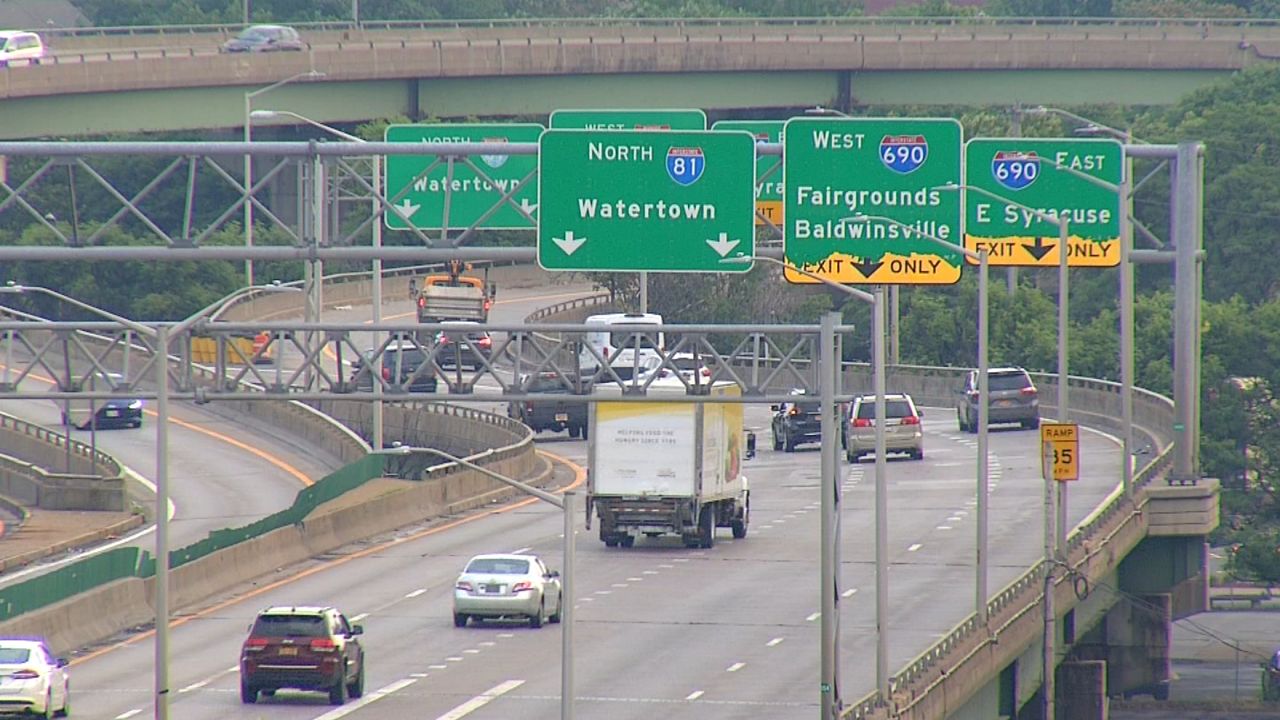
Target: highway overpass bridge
<point>126,80</point>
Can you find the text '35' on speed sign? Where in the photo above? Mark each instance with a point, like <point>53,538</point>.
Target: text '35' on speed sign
<point>636,200</point>
<point>1063,440</point>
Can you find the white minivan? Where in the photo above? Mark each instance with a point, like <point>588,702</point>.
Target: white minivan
<point>18,47</point>
<point>624,350</point>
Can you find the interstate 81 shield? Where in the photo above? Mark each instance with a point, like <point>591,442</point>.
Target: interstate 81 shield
<point>685,164</point>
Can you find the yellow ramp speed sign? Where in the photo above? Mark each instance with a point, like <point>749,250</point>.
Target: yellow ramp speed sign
<point>1063,441</point>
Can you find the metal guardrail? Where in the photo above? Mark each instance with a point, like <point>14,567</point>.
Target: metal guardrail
<point>1188,25</point>
<point>95,457</point>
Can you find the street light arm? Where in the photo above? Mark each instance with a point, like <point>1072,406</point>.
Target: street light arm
<point>309,74</point>
<point>855,292</point>
<point>130,324</point>
<point>267,114</point>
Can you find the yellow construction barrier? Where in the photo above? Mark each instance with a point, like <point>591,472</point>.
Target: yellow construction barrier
<point>204,350</point>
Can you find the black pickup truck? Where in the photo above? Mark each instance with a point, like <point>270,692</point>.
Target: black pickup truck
<point>564,409</point>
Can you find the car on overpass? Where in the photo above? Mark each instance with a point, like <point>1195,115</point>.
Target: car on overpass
<point>265,38</point>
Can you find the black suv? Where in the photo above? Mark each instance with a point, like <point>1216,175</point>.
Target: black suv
<point>307,648</point>
<point>1013,399</point>
<point>400,364</point>
<point>566,409</point>
<point>796,422</point>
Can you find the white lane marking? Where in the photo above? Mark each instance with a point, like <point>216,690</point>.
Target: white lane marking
<point>603,592</point>
<point>480,700</point>
<point>650,572</point>
<point>526,549</point>
<point>506,634</point>
<point>735,667</point>
<point>955,518</point>
<point>358,618</point>
<point>680,560</point>
<point>488,643</point>
<point>587,599</point>
<point>619,585</point>
<point>693,695</point>
<point>774,642</point>
<point>634,579</point>
<point>211,678</point>
<point>437,667</point>
<point>914,547</point>
<point>129,714</point>
<point>416,593</point>
<point>666,566</point>
<point>943,527</point>
<point>470,651</point>
<point>849,592</point>
<point>374,696</point>
<point>453,658</point>
<point>814,616</point>
<point>418,675</point>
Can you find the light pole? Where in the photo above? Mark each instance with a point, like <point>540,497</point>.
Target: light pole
<point>1064,235</point>
<point>161,334</point>
<point>829,487</point>
<point>248,159</point>
<point>981,560</point>
<point>376,290</point>
<point>1125,190</point>
<point>567,504</point>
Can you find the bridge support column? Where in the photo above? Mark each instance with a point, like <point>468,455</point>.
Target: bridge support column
<point>1133,642</point>
<point>1082,690</point>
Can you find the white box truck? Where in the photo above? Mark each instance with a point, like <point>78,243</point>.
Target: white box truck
<point>667,468</point>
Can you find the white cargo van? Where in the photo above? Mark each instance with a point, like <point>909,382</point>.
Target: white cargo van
<point>18,47</point>
<point>624,350</point>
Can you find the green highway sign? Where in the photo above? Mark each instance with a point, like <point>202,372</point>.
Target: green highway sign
<point>628,120</point>
<point>1047,175</point>
<point>847,178</point>
<point>641,200</point>
<point>420,195</point>
<point>768,167</point>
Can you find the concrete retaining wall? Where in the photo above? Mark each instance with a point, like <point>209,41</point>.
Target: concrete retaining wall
<point>93,616</point>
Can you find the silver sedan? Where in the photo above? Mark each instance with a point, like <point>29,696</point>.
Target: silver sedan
<point>507,586</point>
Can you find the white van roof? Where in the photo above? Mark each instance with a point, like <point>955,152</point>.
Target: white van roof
<point>624,319</point>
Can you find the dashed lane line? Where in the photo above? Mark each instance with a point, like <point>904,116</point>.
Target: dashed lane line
<point>479,701</point>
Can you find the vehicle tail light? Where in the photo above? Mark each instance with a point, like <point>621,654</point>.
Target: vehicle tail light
<point>911,420</point>
<point>528,406</point>
<point>1027,392</point>
<point>324,645</point>
<point>422,301</point>
<point>795,410</point>
<point>25,674</point>
<point>861,422</point>
<point>463,585</point>
<point>973,395</point>
<point>255,644</point>
<point>606,352</point>
<point>706,372</point>
<point>386,374</point>
<point>484,342</point>
<point>521,587</point>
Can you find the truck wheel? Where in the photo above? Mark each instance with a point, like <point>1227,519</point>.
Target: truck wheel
<point>627,541</point>
<point>582,431</point>
<point>707,527</point>
<point>777,442</point>
<point>788,443</point>
<point>572,430</point>
<point>739,527</point>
